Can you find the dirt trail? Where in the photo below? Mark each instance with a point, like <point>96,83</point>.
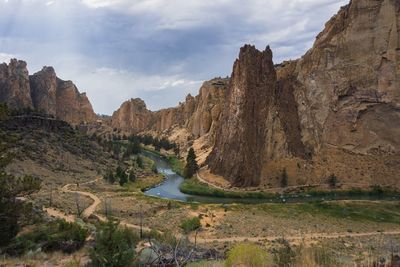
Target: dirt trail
<point>89,210</point>
<point>96,201</point>
<point>293,238</point>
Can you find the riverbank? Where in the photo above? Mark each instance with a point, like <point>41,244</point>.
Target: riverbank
<point>195,187</point>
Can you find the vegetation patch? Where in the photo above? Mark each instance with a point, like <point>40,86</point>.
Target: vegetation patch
<point>194,187</point>
<point>190,225</point>
<point>54,236</point>
<point>387,212</point>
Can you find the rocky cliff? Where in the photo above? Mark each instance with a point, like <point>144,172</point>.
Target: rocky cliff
<point>43,91</point>
<point>339,103</point>
<point>132,117</point>
<point>349,93</point>
<point>242,132</point>
<point>193,122</point>
<point>14,84</point>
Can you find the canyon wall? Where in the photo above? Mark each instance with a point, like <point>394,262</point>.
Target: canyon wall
<point>340,101</point>
<point>43,91</point>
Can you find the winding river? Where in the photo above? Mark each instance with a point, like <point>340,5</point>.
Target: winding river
<point>169,189</point>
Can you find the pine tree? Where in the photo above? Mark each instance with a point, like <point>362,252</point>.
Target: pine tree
<point>121,175</point>
<point>132,176</point>
<point>139,162</point>
<point>191,164</point>
<point>123,179</point>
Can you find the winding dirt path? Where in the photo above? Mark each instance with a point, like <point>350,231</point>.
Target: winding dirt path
<point>293,238</point>
<point>89,211</point>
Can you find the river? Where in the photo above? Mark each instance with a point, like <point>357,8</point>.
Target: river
<point>169,189</point>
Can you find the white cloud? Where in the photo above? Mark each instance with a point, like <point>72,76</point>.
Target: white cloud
<point>4,57</point>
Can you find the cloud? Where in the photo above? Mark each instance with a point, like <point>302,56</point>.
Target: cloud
<point>155,49</point>
<point>4,57</point>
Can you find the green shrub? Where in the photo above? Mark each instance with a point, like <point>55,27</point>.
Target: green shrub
<point>190,225</point>
<point>247,255</point>
<point>55,236</point>
<point>114,247</point>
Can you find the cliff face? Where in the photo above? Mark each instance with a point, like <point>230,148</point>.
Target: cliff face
<point>43,91</point>
<point>14,84</point>
<point>132,117</point>
<point>72,106</point>
<point>339,103</point>
<point>349,93</point>
<point>197,117</point>
<point>242,133</point>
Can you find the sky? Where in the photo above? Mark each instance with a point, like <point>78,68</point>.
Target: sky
<point>158,50</point>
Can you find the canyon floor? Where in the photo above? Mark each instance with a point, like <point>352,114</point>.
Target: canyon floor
<point>357,231</point>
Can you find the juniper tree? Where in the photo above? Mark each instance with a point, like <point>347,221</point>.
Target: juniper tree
<point>191,164</point>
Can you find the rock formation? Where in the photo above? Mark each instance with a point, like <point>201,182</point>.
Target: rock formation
<point>132,117</point>
<point>349,94</point>
<point>43,91</point>
<point>194,118</point>
<point>242,132</point>
<point>14,84</point>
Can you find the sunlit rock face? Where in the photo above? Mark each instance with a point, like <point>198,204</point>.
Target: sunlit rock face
<point>72,106</point>
<point>43,91</point>
<point>350,80</point>
<point>132,117</point>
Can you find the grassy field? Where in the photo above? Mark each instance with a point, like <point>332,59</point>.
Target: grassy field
<point>373,211</point>
<point>194,187</point>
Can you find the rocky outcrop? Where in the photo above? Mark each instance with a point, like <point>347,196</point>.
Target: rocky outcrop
<point>43,91</point>
<point>72,106</point>
<point>194,118</point>
<point>132,117</point>
<point>14,84</point>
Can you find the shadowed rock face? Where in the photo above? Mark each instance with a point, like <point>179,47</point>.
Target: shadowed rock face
<point>242,132</point>
<point>43,91</point>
